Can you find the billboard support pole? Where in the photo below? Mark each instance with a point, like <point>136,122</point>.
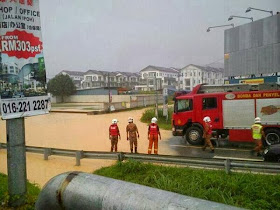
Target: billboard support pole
<point>16,161</point>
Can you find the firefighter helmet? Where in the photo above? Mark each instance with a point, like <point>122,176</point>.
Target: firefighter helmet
<point>257,120</point>
<point>130,119</point>
<point>206,119</point>
<point>154,120</point>
<point>114,121</point>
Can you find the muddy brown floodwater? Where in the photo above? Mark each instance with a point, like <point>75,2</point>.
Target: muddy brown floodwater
<point>77,132</point>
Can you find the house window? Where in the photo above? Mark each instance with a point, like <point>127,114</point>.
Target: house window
<point>160,74</point>
<point>209,103</point>
<point>88,78</point>
<point>187,82</point>
<point>186,74</point>
<point>12,69</point>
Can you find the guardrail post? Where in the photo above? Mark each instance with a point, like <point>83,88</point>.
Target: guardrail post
<point>121,156</point>
<point>47,153</point>
<point>227,166</point>
<point>79,156</point>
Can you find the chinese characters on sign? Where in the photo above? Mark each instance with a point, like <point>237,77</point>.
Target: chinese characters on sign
<point>22,67</point>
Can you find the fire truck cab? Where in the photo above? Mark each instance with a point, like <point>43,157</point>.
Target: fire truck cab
<point>232,109</point>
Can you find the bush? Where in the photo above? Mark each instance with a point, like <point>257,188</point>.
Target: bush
<point>162,123</point>
<point>33,191</point>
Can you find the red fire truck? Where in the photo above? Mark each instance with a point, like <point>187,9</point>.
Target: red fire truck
<point>232,109</point>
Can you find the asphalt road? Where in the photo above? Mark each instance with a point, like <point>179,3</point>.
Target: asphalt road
<point>224,150</point>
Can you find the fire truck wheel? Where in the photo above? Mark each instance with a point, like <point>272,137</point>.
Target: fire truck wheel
<point>194,135</point>
<point>272,136</point>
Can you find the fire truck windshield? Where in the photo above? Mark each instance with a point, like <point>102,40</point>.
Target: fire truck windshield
<point>183,105</point>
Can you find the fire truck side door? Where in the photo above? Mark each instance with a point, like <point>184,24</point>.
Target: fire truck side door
<point>210,107</point>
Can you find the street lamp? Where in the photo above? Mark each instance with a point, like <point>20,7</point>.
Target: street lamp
<point>232,16</point>
<point>251,8</point>
<point>208,29</point>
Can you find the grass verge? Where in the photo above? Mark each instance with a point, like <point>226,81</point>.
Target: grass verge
<point>162,123</point>
<point>246,190</point>
<point>32,193</point>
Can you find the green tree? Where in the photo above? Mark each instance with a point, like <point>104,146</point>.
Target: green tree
<point>61,85</point>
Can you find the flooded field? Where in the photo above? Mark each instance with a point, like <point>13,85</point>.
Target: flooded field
<point>78,132</point>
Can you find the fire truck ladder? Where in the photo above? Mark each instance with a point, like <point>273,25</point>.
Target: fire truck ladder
<point>237,87</point>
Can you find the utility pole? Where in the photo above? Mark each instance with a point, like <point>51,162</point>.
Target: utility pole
<point>16,161</point>
<point>109,93</point>
<point>165,103</point>
<point>155,86</point>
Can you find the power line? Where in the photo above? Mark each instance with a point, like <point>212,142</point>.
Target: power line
<point>214,62</point>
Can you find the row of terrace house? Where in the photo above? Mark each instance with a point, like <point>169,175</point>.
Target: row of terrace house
<point>192,75</point>
<point>156,77</point>
<point>150,78</point>
<point>94,78</point>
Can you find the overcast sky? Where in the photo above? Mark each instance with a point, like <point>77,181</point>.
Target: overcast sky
<point>128,35</point>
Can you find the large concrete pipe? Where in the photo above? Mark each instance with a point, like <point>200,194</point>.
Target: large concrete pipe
<point>82,191</point>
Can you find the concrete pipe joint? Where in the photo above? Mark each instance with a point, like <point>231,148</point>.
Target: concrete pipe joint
<point>78,190</point>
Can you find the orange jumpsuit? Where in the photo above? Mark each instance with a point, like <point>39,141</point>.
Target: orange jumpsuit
<point>153,133</point>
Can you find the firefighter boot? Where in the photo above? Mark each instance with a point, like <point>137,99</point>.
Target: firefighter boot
<point>135,149</point>
<point>259,154</point>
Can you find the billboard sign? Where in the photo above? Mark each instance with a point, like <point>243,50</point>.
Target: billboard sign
<point>252,81</point>
<point>22,67</point>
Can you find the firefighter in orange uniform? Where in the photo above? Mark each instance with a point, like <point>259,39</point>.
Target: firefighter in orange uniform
<point>257,134</point>
<point>153,133</point>
<point>132,134</point>
<point>207,133</point>
<point>114,135</point>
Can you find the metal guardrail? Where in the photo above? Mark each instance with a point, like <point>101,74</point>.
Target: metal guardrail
<point>226,164</point>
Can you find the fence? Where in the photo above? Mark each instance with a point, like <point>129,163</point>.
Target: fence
<point>100,102</point>
<point>226,164</point>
